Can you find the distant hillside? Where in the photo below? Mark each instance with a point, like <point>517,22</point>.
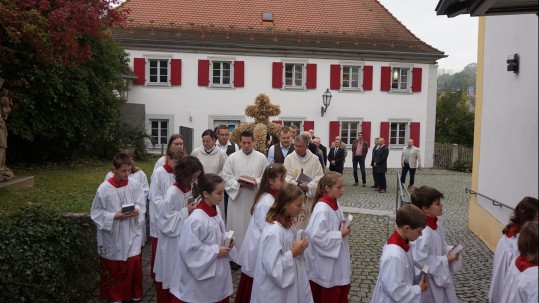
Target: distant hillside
<point>462,80</point>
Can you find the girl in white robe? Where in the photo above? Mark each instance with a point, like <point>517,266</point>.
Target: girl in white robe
<point>328,256</point>
<point>280,272</point>
<point>432,249</point>
<point>172,214</point>
<point>202,272</point>
<point>272,181</point>
<point>507,250</point>
<point>521,282</point>
<point>176,141</point>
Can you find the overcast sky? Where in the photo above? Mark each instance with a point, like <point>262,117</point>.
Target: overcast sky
<point>456,37</point>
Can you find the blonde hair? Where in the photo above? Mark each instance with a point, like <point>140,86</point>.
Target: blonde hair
<point>272,171</point>
<point>288,194</point>
<point>329,179</point>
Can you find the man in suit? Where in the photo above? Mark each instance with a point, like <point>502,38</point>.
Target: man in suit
<point>321,147</point>
<point>380,165</point>
<point>360,149</point>
<point>374,149</point>
<point>410,161</point>
<point>336,157</point>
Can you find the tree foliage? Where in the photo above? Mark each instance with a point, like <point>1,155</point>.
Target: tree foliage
<point>458,81</point>
<point>454,122</point>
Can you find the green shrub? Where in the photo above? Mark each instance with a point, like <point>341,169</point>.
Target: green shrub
<point>45,258</point>
<point>461,165</point>
<point>124,135</point>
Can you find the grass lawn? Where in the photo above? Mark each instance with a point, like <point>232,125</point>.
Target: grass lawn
<point>62,187</point>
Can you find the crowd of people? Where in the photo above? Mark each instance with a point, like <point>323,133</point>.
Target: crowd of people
<point>278,218</point>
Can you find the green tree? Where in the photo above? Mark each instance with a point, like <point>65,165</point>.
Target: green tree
<point>458,81</point>
<point>454,123</point>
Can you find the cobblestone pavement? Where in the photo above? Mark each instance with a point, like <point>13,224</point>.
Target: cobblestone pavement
<point>370,232</point>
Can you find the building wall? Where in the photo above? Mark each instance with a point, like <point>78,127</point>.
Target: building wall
<point>196,107</point>
<point>506,141</point>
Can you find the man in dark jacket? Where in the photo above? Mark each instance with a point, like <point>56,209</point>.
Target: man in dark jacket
<point>380,165</point>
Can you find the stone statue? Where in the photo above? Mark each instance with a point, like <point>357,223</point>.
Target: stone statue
<point>5,109</point>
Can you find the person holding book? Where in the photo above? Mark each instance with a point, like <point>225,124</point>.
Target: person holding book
<point>119,233</point>
<point>431,248</point>
<point>280,272</point>
<point>328,255</point>
<point>522,278</point>
<point>161,180</point>
<point>507,248</point>
<point>202,273</point>
<point>177,205</point>
<point>396,278</point>
<point>242,174</point>
<point>272,182</point>
<point>303,162</point>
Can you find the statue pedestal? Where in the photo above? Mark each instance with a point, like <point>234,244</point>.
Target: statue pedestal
<point>17,183</point>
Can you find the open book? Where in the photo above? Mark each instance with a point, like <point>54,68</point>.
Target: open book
<point>247,179</point>
<point>303,178</point>
<point>228,238</point>
<point>128,207</point>
<point>456,249</point>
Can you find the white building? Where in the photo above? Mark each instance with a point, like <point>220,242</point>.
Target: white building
<point>199,64</point>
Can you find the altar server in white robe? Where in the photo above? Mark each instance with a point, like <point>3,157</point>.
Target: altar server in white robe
<point>202,272</point>
<point>176,141</point>
<point>119,234</point>
<point>507,248</point>
<point>431,249</point>
<point>280,273</point>
<point>302,160</point>
<point>172,214</point>
<point>328,255</point>
<point>521,282</point>
<point>396,277</point>
<point>272,181</point>
<point>245,162</point>
<point>212,157</point>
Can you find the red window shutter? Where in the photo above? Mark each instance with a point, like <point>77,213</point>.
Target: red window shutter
<point>366,130</point>
<point>335,76</point>
<point>415,132</point>
<point>334,131</point>
<point>239,79</point>
<point>310,82</point>
<point>367,77</point>
<point>139,68</point>
<point>308,125</point>
<point>203,72</point>
<point>384,131</point>
<point>277,77</point>
<point>175,71</point>
<point>385,80</point>
<point>416,79</point>
<point>277,122</point>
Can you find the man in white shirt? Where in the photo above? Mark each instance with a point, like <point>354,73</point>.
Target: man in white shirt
<point>223,142</point>
<point>410,161</point>
<point>279,151</point>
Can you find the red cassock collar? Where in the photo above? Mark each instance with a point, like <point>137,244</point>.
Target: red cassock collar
<point>397,239</point>
<point>210,210</point>
<point>117,183</point>
<point>522,263</point>
<point>183,188</point>
<point>432,222</point>
<point>168,168</point>
<point>332,202</point>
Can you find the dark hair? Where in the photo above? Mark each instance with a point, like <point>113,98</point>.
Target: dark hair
<point>425,196</point>
<point>172,138</point>
<point>271,172</point>
<point>288,194</point>
<point>131,154</point>
<point>329,179</point>
<point>210,133</point>
<point>410,215</point>
<point>175,153</point>
<point>222,126</point>
<point>284,129</point>
<point>528,241</point>
<point>186,168</point>
<point>526,210</point>
<point>247,133</point>
<point>120,159</point>
<point>208,182</point>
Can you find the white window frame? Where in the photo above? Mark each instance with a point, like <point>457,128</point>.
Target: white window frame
<point>294,71</point>
<point>159,130</point>
<point>403,70</point>
<point>148,123</point>
<point>349,122</point>
<point>404,138</point>
<point>288,121</point>
<point>221,72</point>
<point>149,68</point>
<point>352,64</point>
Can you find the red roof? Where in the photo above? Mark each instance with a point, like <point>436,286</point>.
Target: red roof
<point>363,23</point>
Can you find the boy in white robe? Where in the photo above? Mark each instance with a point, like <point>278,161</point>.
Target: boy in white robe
<point>397,276</point>
<point>245,162</point>
<point>521,282</point>
<point>119,234</point>
<point>431,249</point>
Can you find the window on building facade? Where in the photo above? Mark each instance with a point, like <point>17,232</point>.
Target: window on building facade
<point>297,123</point>
<point>398,133</point>
<point>221,73</point>
<point>349,130</point>
<point>293,74</point>
<point>158,71</point>
<point>400,78</point>
<point>351,77</point>
<point>159,131</point>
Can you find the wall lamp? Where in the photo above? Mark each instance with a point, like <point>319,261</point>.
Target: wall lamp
<point>326,100</point>
<point>513,63</point>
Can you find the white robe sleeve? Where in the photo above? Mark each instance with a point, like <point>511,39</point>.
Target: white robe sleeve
<point>100,215</point>
<point>232,186</point>
<point>143,180</point>
<point>324,240</point>
<point>200,258</point>
<point>438,265</point>
<point>260,213</point>
<point>140,203</point>
<point>278,265</point>
<point>394,284</point>
<point>172,213</point>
